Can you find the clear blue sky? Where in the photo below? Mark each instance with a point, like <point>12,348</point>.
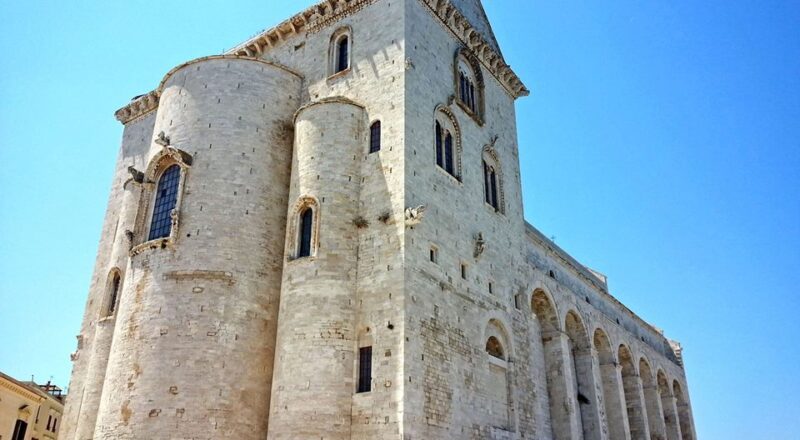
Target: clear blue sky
<point>660,145</point>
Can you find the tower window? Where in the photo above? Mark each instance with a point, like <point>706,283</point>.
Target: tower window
<point>448,154</point>
<point>113,296</point>
<point>342,54</point>
<point>364,370</point>
<point>166,198</point>
<point>490,185</point>
<point>306,228</point>
<point>447,143</point>
<point>434,255</point>
<point>375,137</point>
<point>463,271</point>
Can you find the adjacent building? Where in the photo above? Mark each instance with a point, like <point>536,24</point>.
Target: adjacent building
<point>29,411</point>
<point>319,234</point>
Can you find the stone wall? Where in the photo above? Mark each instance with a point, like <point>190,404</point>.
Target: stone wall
<point>480,327</point>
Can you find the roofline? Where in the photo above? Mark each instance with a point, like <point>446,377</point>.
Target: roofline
<point>592,280</point>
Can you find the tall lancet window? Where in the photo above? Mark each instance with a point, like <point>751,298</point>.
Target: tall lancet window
<point>113,295</point>
<point>166,198</point>
<point>306,230</point>
<point>447,144</point>
<point>343,54</point>
<point>492,180</point>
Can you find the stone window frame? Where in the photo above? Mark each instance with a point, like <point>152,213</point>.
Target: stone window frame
<point>293,236</point>
<point>465,57</point>
<point>106,312</point>
<point>333,52</point>
<point>160,162</point>
<point>489,156</point>
<point>447,120</point>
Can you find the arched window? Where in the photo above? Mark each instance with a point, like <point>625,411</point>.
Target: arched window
<point>375,137</point>
<point>113,294</point>
<point>342,54</point>
<point>306,230</point>
<point>494,348</point>
<point>166,198</point>
<point>492,180</point>
<point>340,50</point>
<point>447,143</point>
<point>469,84</point>
<point>490,184</point>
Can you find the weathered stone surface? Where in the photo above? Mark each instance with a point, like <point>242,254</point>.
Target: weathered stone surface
<point>479,326</point>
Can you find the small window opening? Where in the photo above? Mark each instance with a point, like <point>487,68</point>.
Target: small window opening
<point>448,154</point>
<point>439,150</point>
<point>491,290</point>
<point>306,227</point>
<point>364,370</point>
<point>494,348</point>
<point>463,271</point>
<point>434,255</point>
<point>490,185</point>
<point>342,54</point>
<point>375,137</point>
<point>552,274</point>
<point>112,300</point>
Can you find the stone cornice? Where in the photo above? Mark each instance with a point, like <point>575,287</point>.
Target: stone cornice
<point>311,20</point>
<point>458,25</point>
<point>144,104</point>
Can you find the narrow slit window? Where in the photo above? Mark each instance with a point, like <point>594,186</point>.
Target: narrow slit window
<point>434,255</point>
<point>448,154</point>
<point>112,299</point>
<point>166,199</point>
<point>342,54</point>
<point>464,271</point>
<point>375,137</point>
<point>364,369</point>
<point>439,149</point>
<point>306,228</point>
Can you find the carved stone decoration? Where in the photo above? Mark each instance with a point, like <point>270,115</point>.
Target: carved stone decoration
<point>480,245</point>
<point>414,215</point>
<point>129,236</point>
<point>136,175</point>
<point>163,139</point>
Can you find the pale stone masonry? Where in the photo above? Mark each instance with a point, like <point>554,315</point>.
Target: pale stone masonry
<point>319,235</point>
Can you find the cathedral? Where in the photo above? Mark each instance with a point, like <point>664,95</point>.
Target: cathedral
<point>319,234</point>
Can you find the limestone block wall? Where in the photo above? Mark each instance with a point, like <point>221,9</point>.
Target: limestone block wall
<point>376,80</point>
<point>317,340</point>
<point>94,339</point>
<point>192,353</point>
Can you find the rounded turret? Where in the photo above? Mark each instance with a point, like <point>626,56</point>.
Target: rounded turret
<point>193,346</point>
<point>318,297</point>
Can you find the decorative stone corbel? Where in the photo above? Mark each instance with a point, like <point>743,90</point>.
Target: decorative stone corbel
<point>414,215</point>
<point>137,175</point>
<point>163,139</point>
<point>129,236</point>
<point>480,245</point>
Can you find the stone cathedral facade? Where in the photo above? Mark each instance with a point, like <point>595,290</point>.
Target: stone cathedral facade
<point>319,235</point>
